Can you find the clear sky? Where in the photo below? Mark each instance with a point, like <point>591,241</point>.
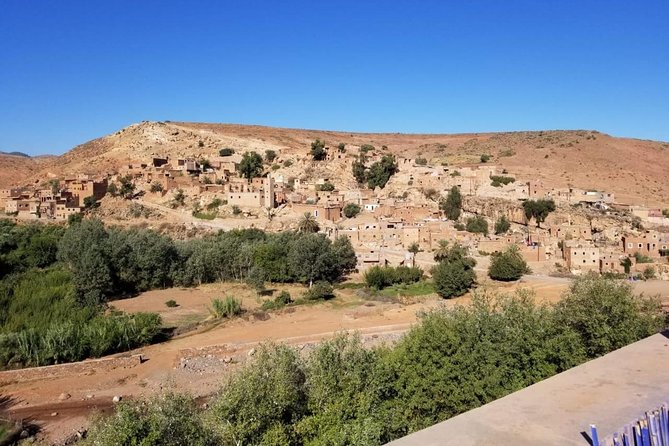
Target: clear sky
<point>71,71</point>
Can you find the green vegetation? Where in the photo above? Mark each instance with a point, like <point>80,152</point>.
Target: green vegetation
<point>626,263</point>
<point>236,210</point>
<point>308,224</point>
<point>477,225</point>
<point>379,277</point>
<point>226,152</point>
<point>287,163</point>
<point>225,308</point>
<point>640,258</point>
<point>127,189</point>
<point>502,225</point>
<point>451,206</point>
<point>508,265</point>
<point>270,155</point>
<point>171,303</point>
<point>55,281</point>
<point>325,187</point>
<point>538,210</point>
<point>279,301</point>
<point>649,273</point>
<point>507,152</point>
<point>485,158</point>
<point>156,187</point>
<point>454,274</point>
<point>366,148</point>
<point>319,291</point>
<point>342,393</point>
<point>351,210</point>
<point>499,180</point>
<point>250,166</point>
<point>318,151</point>
<point>665,213</point>
<point>359,171</point>
<point>380,172</point>
<point>420,288</point>
<point>421,161</point>
<point>341,147</point>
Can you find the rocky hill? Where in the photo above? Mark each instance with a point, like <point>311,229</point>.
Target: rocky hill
<point>635,170</point>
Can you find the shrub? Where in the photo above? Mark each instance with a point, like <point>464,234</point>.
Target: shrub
<point>156,187</point>
<point>318,151</point>
<point>502,225</point>
<point>649,273</point>
<point>270,155</point>
<point>351,210</point>
<point>379,277</point>
<point>287,163</point>
<point>236,210</point>
<point>341,147</point>
<point>168,419</point>
<point>320,291</point>
<point>507,152</point>
<point>279,301</point>
<point>607,315</point>
<point>226,308</point>
<point>508,265</point>
<point>452,279</point>
<point>226,152</point>
<point>380,172</point>
<point>326,187</point>
<point>366,148</point>
<point>477,225</point>
<point>459,226</point>
<point>499,180</point>
<point>451,206</point>
<point>485,158</point>
<point>421,161</point>
<point>171,303</point>
<point>538,209</point>
<point>640,258</point>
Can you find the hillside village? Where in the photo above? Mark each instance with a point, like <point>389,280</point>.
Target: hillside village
<point>398,221</point>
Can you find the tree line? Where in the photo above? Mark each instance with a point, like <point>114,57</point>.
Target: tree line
<point>342,393</point>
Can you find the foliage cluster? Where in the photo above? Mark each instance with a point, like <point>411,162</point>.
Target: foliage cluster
<point>451,206</point>
<point>380,277</point>
<point>342,393</point>
<point>508,265</point>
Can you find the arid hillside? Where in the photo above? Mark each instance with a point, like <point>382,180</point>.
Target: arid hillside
<point>635,170</point>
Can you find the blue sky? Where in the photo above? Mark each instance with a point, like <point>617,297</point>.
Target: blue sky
<point>71,71</point>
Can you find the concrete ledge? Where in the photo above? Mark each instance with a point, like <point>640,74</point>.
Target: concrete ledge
<point>610,392</point>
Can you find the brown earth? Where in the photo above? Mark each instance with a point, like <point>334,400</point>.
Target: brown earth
<point>633,169</point>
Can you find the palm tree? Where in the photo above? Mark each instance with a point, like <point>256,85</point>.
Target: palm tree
<point>414,249</point>
<point>442,251</point>
<point>308,224</point>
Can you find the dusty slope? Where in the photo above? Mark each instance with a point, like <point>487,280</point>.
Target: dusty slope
<point>633,169</point>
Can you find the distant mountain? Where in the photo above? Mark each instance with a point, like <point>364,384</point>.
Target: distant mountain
<point>15,154</point>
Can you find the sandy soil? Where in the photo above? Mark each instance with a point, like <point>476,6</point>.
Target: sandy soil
<point>175,363</point>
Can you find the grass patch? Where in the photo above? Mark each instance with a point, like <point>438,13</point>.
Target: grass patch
<point>350,286</point>
<point>205,215</point>
<point>422,288</point>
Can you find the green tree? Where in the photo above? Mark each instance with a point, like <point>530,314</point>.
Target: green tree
<point>452,279</point>
<point>380,172</point>
<point>91,202</point>
<point>127,189</point>
<point>607,315</point>
<point>351,210</point>
<point>508,265</point>
<point>308,224</point>
<point>250,166</point>
<point>452,205</point>
<point>341,147</point>
<point>538,210</point>
<point>318,151</point>
<point>414,249</point>
<point>259,404</point>
<point>502,225</point>
<point>270,155</point>
<point>477,224</point>
<point>156,187</point>
<point>359,171</point>
<point>626,263</point>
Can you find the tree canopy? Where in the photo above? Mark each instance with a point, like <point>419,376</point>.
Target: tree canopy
<point>451,206</point>
<point>538,210</point>
<point>251,165</point>
<point>508,265</point>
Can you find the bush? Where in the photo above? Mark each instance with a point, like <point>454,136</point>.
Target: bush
<point>607,315</point>
<point>226,308</point>
<point>380,172</point>
<point>320,291</point>
<point>318,151</point>
<point>453,279</point>
<point>640,258</point>
<point>477,225</point>
<point>168,419</point>
<point>226,152</point>
<point>279,301</point>
<point>379,277</point>
<point>451,206</point>
<point>156,187</point>
<point>508,265</point>
<point>171,303</point>
<point>236,210</point>
<point>270,155</point>
<point>498,180</point>
<point>366,148</point>
<point>326,187</point>
<point>649,273</point>
<point>538,209</point>
<point>502,225</point>
<point>485,158</point>
<point>351,210</point>
<point>341,147</point>
<point>421,161</point>
<point>287,163</point>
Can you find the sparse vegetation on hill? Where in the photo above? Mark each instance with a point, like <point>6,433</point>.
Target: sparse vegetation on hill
<point>538,210</point>
<point>454,360</point>
<point>318,151</point>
